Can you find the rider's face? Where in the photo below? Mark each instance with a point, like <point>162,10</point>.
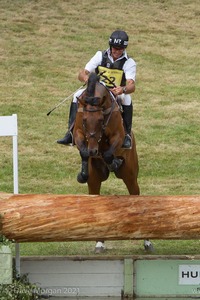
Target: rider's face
<point>116,52</point>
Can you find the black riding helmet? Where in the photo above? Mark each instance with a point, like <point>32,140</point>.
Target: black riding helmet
<point>118,39</point>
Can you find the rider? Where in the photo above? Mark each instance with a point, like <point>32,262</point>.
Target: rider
<point>117,70</point>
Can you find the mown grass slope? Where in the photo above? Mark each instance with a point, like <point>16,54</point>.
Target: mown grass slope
<point>43,44</point>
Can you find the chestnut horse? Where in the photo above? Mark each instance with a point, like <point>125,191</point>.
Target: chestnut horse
<point>99,135</point>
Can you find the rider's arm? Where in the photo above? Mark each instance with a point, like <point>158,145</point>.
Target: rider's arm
<point>83,75</point>
<point>129,87</point>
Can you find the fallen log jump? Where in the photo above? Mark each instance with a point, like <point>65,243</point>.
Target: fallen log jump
<point>46,217</point>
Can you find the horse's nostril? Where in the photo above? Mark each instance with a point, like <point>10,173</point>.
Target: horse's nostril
<point>93,152</point>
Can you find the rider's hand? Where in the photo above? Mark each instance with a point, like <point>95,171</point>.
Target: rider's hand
<point>118,90</point>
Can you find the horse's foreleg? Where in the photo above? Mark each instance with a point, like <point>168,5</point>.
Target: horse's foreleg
<point>112,162</point>
<point>83,175</point>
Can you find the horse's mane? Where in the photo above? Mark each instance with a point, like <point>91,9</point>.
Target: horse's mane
<point>93,78</point>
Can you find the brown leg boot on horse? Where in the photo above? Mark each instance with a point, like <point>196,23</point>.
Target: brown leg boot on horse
<point>68,138</point>
<point>127,115</point>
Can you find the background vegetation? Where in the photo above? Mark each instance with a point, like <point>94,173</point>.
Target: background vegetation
<point>43,44</point>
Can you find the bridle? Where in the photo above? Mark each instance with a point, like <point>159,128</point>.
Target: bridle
<point>94,103</point>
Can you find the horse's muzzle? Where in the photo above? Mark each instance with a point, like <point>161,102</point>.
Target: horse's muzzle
<point>93,152</point>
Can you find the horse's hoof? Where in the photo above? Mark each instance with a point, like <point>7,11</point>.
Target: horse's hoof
<point>99,248</point>
<point>81,178</point>
<point>115,165</point>
<point>148,246</point>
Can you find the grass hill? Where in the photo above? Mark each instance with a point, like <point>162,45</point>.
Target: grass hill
<point>43,44</point>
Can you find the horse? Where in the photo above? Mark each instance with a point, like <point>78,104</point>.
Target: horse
<point>99,134</point>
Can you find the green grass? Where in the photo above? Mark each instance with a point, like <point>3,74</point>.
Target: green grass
<point>161,247</point>
<point>43,44</point>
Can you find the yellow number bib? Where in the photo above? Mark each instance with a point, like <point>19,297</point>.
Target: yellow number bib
<point>114,76</point>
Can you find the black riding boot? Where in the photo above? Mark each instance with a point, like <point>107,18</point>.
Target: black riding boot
<point>67,139</point>
<point>127,115</point>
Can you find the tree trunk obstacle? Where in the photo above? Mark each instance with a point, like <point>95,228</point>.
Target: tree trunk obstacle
<point>46,217</point>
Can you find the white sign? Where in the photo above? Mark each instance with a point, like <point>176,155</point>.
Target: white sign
<point>8,125</point>
<point>189,274</point>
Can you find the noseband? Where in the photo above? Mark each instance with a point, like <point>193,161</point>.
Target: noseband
<point>92,109</point>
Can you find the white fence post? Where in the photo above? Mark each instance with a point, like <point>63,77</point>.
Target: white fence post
<point>8,127</point>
